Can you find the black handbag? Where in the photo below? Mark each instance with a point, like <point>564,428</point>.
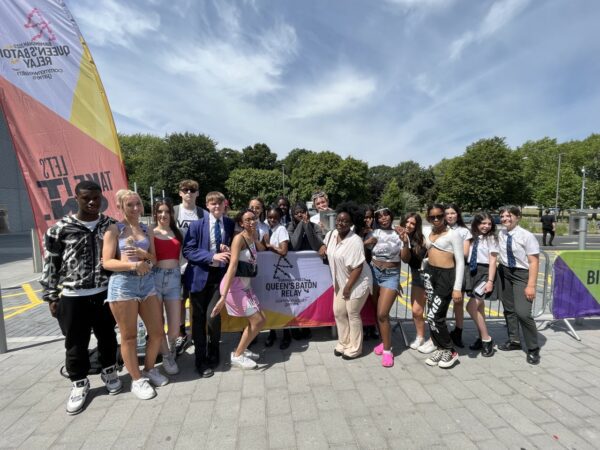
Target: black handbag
<point>246,269</point>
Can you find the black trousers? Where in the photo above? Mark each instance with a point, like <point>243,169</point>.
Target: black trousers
<point>438,290</point>
<point>77,318</point>
<point>545,233</point>
<point>517,309</point>
<point>206,332</point>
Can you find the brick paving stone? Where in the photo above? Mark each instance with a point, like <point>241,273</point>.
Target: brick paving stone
<point>297,382</point>
<point>253,386</point>
<point>367,434</point>
<point>352,404</point>
<point>310,435</point>
<point>252,438</point>
<point>484,413</point>
<point>253,412</point>
<point>443,398</point>
<point>340,379</point>
<point>471,425</point>
<point>278,402</point>
<point>100,439</point>
<point>414,391</point>
<point>318,376</point>
<point>509,438</point>
<point>371,395</point>
<point>336,428</point>
<point>303,406</point>
<point>570,438</point>
<point>326,398</point>
<point>222,434</point>
<point>459,441</point>
<point>280,431</point>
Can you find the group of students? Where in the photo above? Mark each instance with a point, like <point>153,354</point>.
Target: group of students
<point>99,272</point>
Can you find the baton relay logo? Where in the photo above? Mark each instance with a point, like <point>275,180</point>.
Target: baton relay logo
<point>36,20</point>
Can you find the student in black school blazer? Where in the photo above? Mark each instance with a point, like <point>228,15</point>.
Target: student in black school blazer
<point>207,261</point>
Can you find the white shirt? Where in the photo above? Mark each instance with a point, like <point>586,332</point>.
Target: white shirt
<point>185,217</point>
<point>343,258</point>
<point>464,233</point>
<point>450,242</point>
<point>279,234</point>
<point>487,245</point>
<point>523,244</point>
<point>388,245</point>
<point>262,229</point>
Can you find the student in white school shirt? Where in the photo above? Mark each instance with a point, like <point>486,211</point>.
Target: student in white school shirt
<point>517,274</point>
<point>277,241</point>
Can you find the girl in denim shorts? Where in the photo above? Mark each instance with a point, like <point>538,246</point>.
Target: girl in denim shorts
<point>128,251</point>
<point>167,277</point>
<point>385,264</point>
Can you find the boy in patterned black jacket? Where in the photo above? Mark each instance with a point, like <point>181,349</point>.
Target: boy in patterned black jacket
<point>75,286</point>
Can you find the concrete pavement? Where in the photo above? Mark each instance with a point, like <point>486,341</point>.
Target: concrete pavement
<point>305,397</point>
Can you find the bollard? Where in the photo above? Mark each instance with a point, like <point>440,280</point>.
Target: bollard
<point>3,346</point>
<point>36,252</point>
<point>582,231</point>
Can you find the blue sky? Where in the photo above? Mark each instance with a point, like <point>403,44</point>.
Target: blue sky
<point>384,81</point>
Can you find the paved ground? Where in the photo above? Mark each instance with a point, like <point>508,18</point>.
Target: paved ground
<point>305,397</point>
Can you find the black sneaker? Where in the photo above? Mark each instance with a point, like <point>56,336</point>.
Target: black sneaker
<point>487,348</point>
<point>182,343</point>
<point>509,346</point>
<point>533,356</point>
<point>477,345</point>
<point>456,336</point>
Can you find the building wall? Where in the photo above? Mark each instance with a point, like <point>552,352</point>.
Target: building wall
<point>13,194</point>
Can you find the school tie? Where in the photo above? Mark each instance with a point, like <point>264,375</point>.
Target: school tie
<point>218,236</point>
<point>473,260</point>
<point>512,262</point>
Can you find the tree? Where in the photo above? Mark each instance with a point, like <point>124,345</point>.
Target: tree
<point>258,156</point>
<point>244,184</point>
<point>378,178</point>
<point>231,158</point>
<point>486,176</point>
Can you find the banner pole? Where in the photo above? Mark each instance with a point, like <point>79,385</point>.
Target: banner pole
<point>3,346</point>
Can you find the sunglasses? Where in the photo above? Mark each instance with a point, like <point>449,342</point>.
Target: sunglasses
<point>189,190</point>
<point>317,195</point>
<point>436,217</point>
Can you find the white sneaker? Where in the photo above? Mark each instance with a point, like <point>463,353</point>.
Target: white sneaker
<point>417,343</point>
<point>242,361</point>
<point>79,392</point>
<point>111,380</point>
<point>427,347</point>
<point>169,364</point>
<point>142,389</point>
<point>435,358</point>
<point>448,359</point>
<point>155,377</point>
<point>250,354</point>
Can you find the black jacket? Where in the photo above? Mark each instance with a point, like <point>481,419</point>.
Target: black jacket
<point>72,256</point>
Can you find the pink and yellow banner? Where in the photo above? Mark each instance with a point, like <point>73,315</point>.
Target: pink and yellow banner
<point>294,291</point>
<point>55,108</point>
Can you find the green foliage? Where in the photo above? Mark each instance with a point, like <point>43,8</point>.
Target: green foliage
<point>378,178</point>
<point>244,184</point>
<point>259,156</point>
<point>487,176</point>
<point>231,158</point>
<point>398,201</point>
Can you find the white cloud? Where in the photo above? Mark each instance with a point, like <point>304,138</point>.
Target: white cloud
<point>112,22</point>
<point>235,65</point>
<point>424,84</point>
<point>411,5</point>
<point>344,89</point>
<point>499,15</point>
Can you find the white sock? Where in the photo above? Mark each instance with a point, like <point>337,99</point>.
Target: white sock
<point>486,340</point>
<point>388,352</point>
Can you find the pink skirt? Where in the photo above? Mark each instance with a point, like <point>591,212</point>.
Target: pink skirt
<point>241,301</point>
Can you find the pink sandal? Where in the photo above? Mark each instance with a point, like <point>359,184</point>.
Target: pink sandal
<point>387,360</point>
<point>378,350</point>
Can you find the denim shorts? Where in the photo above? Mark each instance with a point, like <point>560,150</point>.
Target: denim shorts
<point>130,286</point>
<point>387,278</point>
<point>417,278</point>
<point>167,283</point>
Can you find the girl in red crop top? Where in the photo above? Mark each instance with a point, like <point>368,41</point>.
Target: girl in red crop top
<point>167,277</point>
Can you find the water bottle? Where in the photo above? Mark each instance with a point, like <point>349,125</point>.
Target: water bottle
<point>141,335</point>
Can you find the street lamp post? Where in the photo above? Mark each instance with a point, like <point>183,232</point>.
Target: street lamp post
<point>283,180</point>
<point>583,214</point>
<point>557,186</point>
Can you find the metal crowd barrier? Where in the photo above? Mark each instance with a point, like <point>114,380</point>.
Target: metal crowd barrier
<point>401,313</point>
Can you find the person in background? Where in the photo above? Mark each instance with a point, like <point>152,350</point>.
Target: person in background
<point>258,206</point>
<point>352,279</point>
<point>167,277</point>
<point>443,276</point>
<point>455,221</point>
<point>75,285</point>
<point>386,278</point>
<point>128,252</point>
<point>206,246</point>
<point>480,273</point>
<point>518,269</point>
<point>548,227</point>
<point>185,213</point>
<point>413,252</point>
<point>284,206</point>
<point>369,331</point>
<point>277,241</point>
<point>236,292</point>
<point>321,204</point>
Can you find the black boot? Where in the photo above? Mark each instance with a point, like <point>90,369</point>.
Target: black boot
<point>477,345</point>
<point>456,336</point>
<point>488,348</point>
<point>533,356</point>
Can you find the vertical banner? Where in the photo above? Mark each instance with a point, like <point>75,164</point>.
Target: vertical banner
<point>295,290</point>
<point>56,110</point>
<point>576,287</point>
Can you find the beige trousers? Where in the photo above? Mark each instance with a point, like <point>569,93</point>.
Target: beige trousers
<point>349,323</point>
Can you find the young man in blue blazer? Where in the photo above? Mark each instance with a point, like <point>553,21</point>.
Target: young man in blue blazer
<point>207,248</point>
